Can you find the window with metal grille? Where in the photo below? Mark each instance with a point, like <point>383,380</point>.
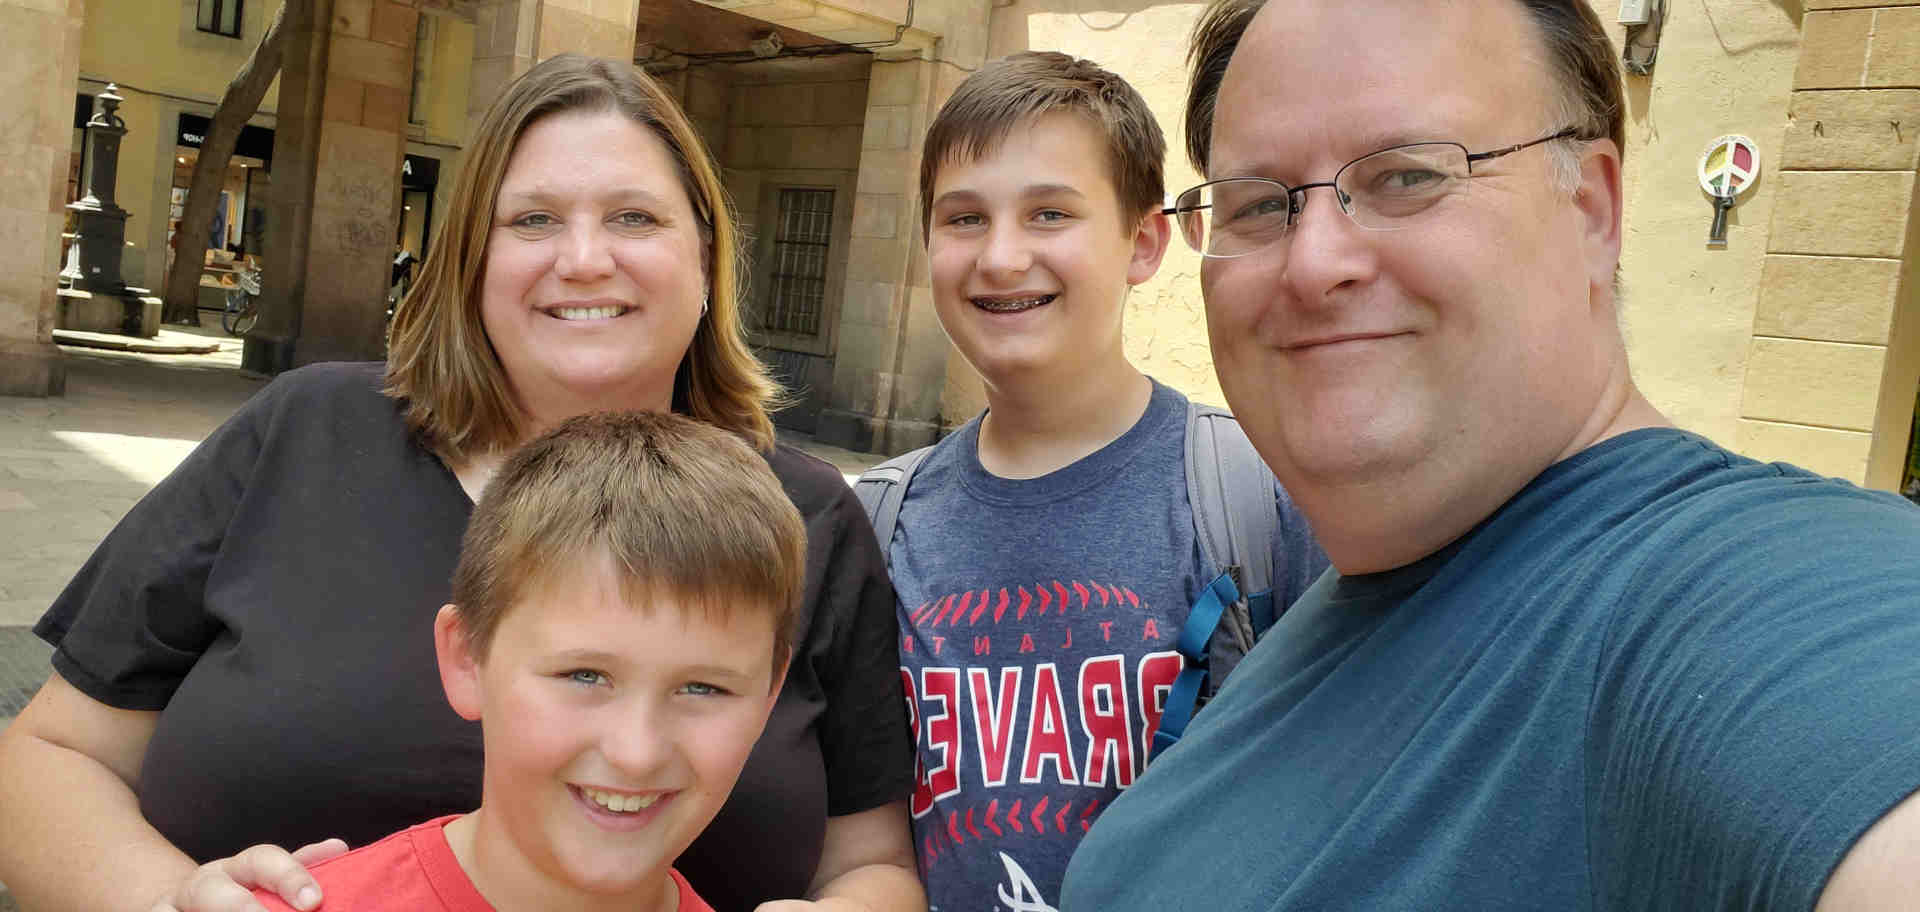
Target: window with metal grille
<point>797,287</point>
<point>221,17</point>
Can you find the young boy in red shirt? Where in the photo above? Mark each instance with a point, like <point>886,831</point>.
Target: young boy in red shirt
<point>623,616</point>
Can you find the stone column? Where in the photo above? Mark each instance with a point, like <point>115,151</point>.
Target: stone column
<point>354,69</point>
<point>39,63</point>
<point>1835,358</point>
<point>510,36</point>
<point>890,365</point>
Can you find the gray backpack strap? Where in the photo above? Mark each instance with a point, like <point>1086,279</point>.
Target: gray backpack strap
<point>882,489</point>
<point>1234,514</point>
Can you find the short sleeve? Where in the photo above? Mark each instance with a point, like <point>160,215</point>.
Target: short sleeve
<point>864,735</point>
<point>1754,712</point>
<point>133,622</point>
<point>1297,558</point>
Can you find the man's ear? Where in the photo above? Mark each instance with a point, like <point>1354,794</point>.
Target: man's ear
<point>1600,201</point>
<point>1149,246</point>
<point>459,667</point>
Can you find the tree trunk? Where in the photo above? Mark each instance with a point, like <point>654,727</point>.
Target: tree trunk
<point>241,100</point>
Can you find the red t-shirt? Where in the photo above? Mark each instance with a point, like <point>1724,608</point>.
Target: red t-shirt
<point>414,870</point>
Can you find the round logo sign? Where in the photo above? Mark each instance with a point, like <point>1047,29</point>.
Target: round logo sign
<point>1729,166</point>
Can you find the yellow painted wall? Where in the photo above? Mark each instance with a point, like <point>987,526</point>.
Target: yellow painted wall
<point>1724,66</point>
<point>447,89</point>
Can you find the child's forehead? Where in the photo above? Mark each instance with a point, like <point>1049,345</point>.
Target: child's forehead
<point>594,592</point>
<point>987,141</point>
<point>1064,150</point>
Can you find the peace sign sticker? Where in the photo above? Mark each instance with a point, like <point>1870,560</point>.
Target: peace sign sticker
<point>1729,166</point>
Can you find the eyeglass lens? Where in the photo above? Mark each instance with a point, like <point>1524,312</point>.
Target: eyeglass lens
<point>1238,216</point>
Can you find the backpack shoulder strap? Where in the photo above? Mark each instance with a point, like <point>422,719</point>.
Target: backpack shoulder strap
<point>883,488</point>
<point>1235,518</point>
<point>1231,490</point>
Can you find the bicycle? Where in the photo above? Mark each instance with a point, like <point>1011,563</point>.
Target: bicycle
<point>242,308</point>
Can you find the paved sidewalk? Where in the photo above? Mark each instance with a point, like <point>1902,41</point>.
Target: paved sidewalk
<point>71,466</point>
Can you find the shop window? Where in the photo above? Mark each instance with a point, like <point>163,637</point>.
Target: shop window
<point>221,17</point>
<point>797,287</point>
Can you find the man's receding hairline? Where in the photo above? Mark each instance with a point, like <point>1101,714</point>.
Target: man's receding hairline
<point>1554,104</point>
<point>1565,101</point>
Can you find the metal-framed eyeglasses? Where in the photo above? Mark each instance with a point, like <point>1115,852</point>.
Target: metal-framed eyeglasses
<point>1381,191</point>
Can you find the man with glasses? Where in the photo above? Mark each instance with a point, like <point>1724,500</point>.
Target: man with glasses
<point>1571,657</point>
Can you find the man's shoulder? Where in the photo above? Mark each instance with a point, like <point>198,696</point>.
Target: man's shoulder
<point>1705,515</point>
<point>1757,502</point>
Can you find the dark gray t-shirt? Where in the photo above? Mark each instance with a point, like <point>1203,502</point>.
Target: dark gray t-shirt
<point>274,599</point>
<point>1662,676</point>
<point>1039,618</point>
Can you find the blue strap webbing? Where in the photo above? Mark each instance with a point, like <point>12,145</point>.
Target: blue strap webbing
<point>1202,619</point>
<point>1260,611</point>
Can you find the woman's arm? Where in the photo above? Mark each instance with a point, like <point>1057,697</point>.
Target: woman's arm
<point>76,839</point>
<point>866,865</point>
<point>75,835</point>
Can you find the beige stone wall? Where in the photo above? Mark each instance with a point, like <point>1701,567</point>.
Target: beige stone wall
<point>447,90</point>
<point>356,195</point>
<point>778,124</point>
<point>1726,67</point>
<point>446,87</point>
<point>39,54</point>
<point>510,36</point>
<point>891,355</point>
<point>795,124</point>
<point>1836,339</point>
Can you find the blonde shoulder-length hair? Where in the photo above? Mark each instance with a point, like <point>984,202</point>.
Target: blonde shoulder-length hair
<point>439,360</point>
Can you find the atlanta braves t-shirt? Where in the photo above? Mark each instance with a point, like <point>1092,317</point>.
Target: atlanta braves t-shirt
<point>1038,621</point>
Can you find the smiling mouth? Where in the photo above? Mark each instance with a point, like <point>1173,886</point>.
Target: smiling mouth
<point>602,312</point>
<point>1012,305</point>
<point>1342,341</point>
<point>620,802</point>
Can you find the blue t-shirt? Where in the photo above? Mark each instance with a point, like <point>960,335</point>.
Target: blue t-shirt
<point>1662,676</point>
<point>1038,619</point>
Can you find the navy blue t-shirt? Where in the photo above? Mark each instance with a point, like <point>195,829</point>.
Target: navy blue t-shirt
<point>1038,620</point>
<point>1662,676</point>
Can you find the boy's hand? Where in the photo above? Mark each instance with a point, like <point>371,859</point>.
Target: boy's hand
<point>227,884</point>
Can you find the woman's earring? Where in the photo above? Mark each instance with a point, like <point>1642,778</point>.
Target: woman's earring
<point>705,300</point>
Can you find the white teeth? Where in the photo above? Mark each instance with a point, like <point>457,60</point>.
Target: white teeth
<point>587,313</point>
<point>618,803</point>
<point>1011,305</point>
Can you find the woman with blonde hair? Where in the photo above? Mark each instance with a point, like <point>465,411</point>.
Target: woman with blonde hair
<point>247,658</point>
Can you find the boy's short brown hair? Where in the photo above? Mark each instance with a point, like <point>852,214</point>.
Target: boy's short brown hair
<point>684,509</point>
<point>1019,88</point>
